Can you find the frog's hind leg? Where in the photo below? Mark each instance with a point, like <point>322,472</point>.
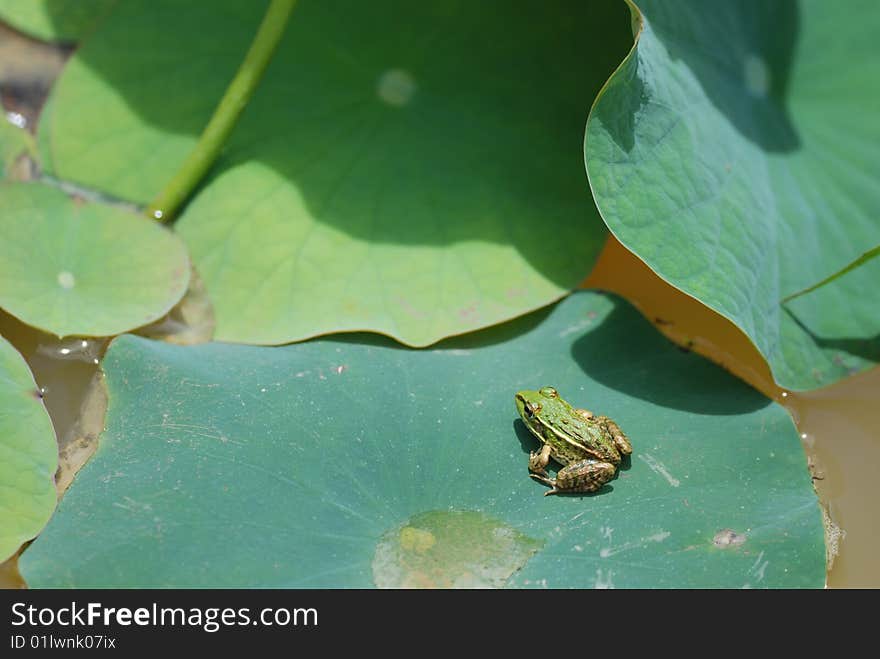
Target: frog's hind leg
<point>584,476</point>
<point>621,441</point>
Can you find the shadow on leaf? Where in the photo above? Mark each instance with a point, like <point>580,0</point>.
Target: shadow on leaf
<point>627,354</point>
<point>741,53</point>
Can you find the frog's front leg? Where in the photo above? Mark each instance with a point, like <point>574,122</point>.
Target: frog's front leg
<point>584,476</point>
<point>538,461</point>
<point>621,441</point>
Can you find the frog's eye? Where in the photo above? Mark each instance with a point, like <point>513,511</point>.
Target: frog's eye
<point>532,408</point>
<point>549,392</point>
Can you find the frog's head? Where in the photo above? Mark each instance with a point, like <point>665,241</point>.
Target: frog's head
<point>530,404</point>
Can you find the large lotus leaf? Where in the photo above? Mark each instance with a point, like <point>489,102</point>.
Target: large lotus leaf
<point>736,151</point>
<point>404,167</point>
<point>28,454</point>
<point>54,20</point>
<point>72,267</point>
<point>351,462</point>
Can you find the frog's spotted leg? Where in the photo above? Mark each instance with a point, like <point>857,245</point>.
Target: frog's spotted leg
<point>584,476</point>
<point>621,441</point>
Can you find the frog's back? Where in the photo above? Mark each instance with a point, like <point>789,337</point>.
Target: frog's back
<point>595,440</point>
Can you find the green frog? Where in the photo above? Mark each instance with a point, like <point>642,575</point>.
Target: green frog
<point>589,447</point>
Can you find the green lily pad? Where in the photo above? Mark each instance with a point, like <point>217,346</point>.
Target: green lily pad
<point>28,454</point>
<point>405,168</point>
<point>72,267</point>
<point>736,151</point>
<point>54,20</point>
<point>351,463</point>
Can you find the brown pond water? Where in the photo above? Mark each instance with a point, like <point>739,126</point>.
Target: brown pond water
<point>839,425</point>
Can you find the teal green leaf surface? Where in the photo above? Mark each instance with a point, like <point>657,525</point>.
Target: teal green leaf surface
<point>72,267</point>
<point>404,168</point>
<point>736,151</point>
<point>353,463</point>
<point>54,20</point>
<point>28,454</point>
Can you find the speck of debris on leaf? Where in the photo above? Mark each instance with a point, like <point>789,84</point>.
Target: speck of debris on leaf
<point>728,538</point>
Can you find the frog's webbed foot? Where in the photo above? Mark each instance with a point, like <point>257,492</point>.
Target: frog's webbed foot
<point>546,480</point>
<point>621,441</point>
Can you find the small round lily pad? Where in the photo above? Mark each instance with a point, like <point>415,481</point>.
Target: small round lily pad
<point>73,267</point>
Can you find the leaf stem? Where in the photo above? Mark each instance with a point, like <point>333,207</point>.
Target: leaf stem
<point>867,256</point>
<point>234,100</point>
